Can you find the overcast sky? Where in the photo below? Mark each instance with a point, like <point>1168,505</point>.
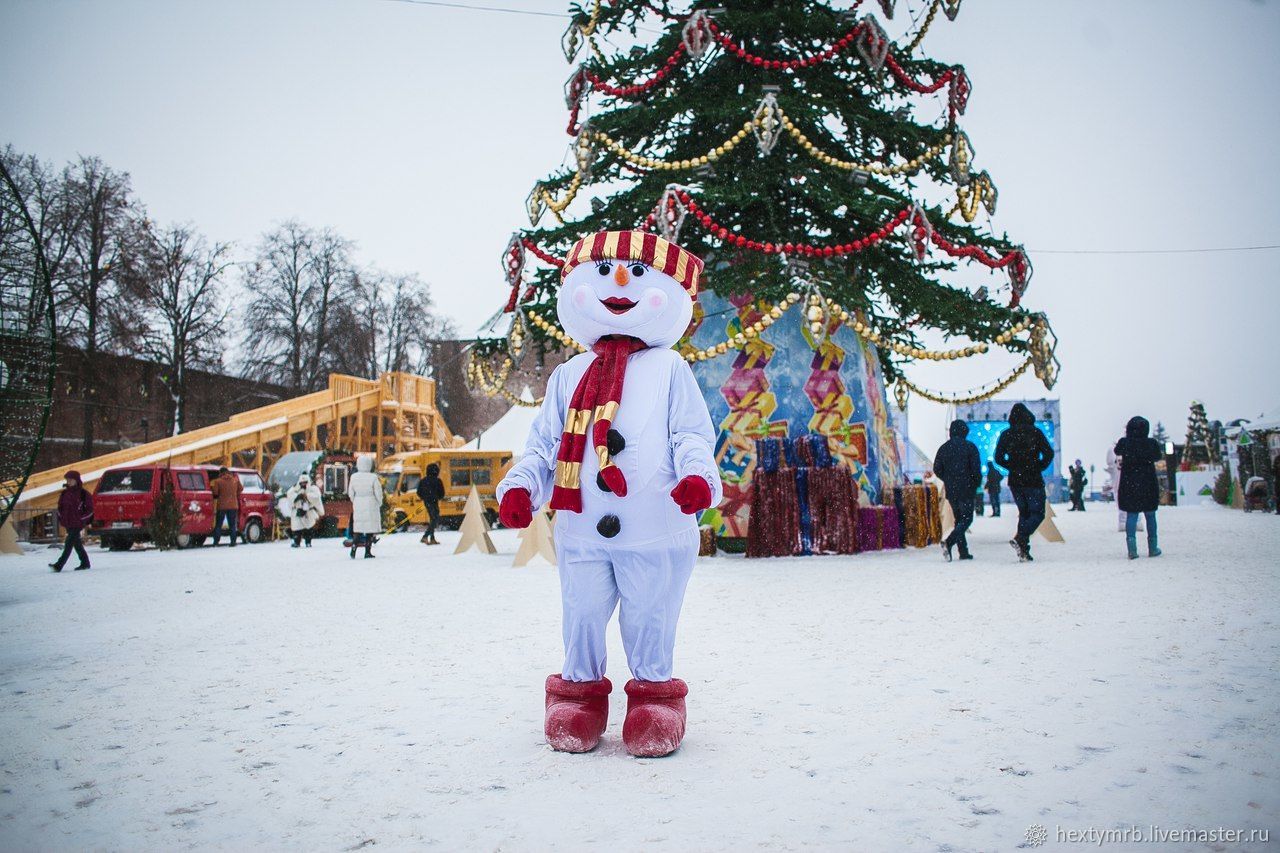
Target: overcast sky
<point>418,130</point>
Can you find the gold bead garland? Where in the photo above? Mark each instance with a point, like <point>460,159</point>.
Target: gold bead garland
<point>867,333</point>
<point>480,376</point>
<point>538,320</point>
<point>967,205</point>
<point>905,168</point>
<point>975,398</point>
<point>924,28</point>
<point>819,311</point>
<point>740,340</point>
<point>494,385</point>
<point>908,167</point>
<point>980,192</point>
<point>816,317</point>
<point>673,165</point>
<point>517,400</point>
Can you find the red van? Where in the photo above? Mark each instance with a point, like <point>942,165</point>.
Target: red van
<point>124,498</point>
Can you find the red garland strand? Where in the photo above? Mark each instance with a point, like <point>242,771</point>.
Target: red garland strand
<point>726,40</point>
<point>1014,258</point>
<point>540,254</point>
<point>914,85</point>
<point>573,127</point>
<point>976,253</point>
<point>638,88</point>
<point>792,248</point>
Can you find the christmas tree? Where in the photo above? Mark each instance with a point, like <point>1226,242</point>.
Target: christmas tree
<point>782,142</point>
<point>787,144</point>
<point>1201,444</point>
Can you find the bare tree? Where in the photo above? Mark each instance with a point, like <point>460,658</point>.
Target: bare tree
<point>45,195</point>
<point>178,276</point>
<point>299,281</point>
<point>389,325</point>
<point>102,229</point>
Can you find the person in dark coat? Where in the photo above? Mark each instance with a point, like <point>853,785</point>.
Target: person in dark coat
<point>1078,482</point>
<point>75,511</point>
<point>431,491</point>
<point>994,479</point>
<point>1275,468</point>
<point>957,465</point>
<point>1025,453</point>
<point>1139,487</point>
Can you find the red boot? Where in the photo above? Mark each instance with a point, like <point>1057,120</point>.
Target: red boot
<point>655,717</point>
<point>577,712</point>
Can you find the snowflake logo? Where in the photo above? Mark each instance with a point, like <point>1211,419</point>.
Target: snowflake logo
<point>1036,835</point>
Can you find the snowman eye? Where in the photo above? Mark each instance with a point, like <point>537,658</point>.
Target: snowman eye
<point>604,268</point>
<point>637,270</point>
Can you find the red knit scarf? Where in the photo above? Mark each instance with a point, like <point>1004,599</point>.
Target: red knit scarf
<point>595,399</point>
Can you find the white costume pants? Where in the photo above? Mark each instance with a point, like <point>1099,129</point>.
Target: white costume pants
<point>649,580</point>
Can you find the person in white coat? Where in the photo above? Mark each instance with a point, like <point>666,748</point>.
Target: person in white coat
<point>303,505</point>
<point>365,491</point>
<point>624,449</point>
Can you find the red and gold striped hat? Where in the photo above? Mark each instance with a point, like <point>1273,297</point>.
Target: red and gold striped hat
<point>683,266</point>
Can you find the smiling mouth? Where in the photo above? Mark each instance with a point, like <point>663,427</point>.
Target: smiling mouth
<point>617,304</point>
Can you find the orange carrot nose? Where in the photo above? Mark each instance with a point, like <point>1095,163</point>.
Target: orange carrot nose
<point>620,276</point>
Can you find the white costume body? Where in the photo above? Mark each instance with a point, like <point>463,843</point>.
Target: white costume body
<point>664,421</point>
<point>668,433</point>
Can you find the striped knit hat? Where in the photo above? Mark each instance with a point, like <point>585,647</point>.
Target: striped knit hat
<point>641,246</point>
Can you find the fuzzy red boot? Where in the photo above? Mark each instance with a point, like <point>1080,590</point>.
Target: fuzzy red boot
<point>655,717</point>
<point>577,712</point>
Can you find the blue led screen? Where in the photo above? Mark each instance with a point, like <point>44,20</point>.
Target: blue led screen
<point>985,434</point>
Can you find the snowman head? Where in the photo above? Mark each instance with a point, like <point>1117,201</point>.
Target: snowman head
<point>628,283</point>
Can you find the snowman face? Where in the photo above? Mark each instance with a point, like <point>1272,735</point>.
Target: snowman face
<point>614,297</point>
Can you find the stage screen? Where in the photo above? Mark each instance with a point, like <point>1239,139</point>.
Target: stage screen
<point>985,434</point>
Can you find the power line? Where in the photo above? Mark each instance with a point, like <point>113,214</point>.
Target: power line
<point>1152,251</point>
<point>480,8</point>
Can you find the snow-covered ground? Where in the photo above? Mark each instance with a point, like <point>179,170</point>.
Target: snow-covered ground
<point>293,699</point>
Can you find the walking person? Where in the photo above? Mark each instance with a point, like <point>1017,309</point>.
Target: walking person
<point>1025,453</point>
<point>956,463</point>
<point>431,492</point>
<point>977,495</point>
<point>1139,489</point>
<point>226,488</point>
<point>1078,482</point>
<point>75,511</point>
<point>303,505</point>
<point>994,479</point>
<point>1275,468</point>
<point>365,491</point>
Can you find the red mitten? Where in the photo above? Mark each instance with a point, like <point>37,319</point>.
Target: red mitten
<point>516,510</point>
<point>692,493</point>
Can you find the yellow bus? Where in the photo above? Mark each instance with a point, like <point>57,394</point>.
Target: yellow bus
<point>459,471</point>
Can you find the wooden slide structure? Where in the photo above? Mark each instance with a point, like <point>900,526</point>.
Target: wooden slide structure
<point>394,413</point>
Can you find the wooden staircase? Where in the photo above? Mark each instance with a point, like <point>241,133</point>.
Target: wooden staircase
<point>391,414</point>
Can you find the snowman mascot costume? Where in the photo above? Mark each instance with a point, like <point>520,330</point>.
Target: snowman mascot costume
<point>623,448</point>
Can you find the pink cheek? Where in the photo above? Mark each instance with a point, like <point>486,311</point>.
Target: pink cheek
<point>580,297</point>
<point>656,300</point>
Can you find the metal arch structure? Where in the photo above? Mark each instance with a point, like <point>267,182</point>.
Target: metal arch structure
<point>28,347</point>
